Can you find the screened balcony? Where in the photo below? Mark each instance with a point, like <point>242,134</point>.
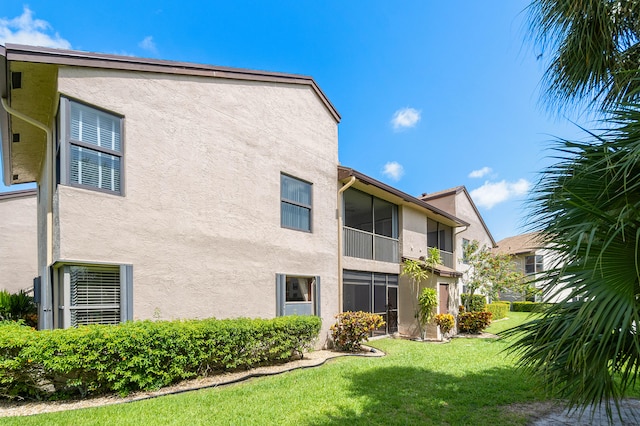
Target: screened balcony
<point>371,227</point>
<point>440,236</point>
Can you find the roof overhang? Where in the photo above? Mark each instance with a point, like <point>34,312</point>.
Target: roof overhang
<point>398,197</point>
<point>17,52</point>
<point>441,270</point>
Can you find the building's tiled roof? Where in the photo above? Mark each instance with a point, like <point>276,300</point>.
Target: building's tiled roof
<point>524,243</point>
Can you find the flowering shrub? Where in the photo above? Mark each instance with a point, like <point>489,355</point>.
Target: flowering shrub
<point>473,322</point>
<point>353,328</point>
<point>446,322</point>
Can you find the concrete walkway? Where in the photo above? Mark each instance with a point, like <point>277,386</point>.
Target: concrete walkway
<point>629,415</point>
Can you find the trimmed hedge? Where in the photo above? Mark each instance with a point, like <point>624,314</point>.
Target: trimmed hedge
<point>477,302</point>
<point>498,309</point>
<point>473,322</point>
<point>529,306</point>
<point>142,355</point>
<point>353,328</point>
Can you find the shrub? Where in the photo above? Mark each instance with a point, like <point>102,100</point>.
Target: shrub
<point>446,322</point>
<point>18,306</point>
<point>473,322</point>
<point>142,355</point>
<point>499,310</point>
<point>353,328</point>
<point>427,302</point>
<point>476,302</point>
<point>529,306</point>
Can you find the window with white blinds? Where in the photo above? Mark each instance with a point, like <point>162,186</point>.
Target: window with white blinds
<point>95,295</point>
<point>295,203</point>
<point>94,150</point>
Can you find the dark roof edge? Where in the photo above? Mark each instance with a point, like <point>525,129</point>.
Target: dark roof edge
<point>18,194</point>
<point>18,52</point>
<point>456,191</point>
<point>344,172</point>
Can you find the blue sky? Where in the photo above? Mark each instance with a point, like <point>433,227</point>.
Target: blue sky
<point>432,94</point>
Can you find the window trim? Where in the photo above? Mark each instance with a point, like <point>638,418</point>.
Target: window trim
<point>309,207</point>
<point>63,291</point>
<point>281,293</point>
<point>64,144</point>
<point>535,263</point>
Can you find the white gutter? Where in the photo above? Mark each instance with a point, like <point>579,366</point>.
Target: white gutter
<point>351,181</point>
<point>47,318</point>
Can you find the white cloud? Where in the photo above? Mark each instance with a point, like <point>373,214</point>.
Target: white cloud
<point>492,193</point>
<point>393,170</point>
<point>26,30</point>
<point>148,44</point>
<point>405,118</point>
<point>480,172</point>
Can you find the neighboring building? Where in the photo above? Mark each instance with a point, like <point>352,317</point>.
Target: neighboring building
<point>173,190</point>
<point>18,240</point>
<point>381,226</point>
<point>531,257</point>
<point>458,202</point>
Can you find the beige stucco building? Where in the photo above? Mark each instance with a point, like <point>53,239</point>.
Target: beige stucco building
<point>173,190</point>
<point>18,242</point>
<point>381,226</point>
<point>532,257</point>
<point>458,202</point>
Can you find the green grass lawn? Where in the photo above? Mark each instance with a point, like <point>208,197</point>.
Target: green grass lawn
<point>467,381</point>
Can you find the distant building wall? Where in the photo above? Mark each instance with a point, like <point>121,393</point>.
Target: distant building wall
<point>18,240</point>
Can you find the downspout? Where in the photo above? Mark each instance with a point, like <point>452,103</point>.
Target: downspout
<point>47,321</point>
<point>350,182</point>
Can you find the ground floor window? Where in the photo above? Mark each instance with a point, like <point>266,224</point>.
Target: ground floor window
<point>297,295</point>
<point>372,292</point>
<point>93,294</point>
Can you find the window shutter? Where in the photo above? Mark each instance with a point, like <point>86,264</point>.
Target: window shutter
<point>316,296</point>
<point>126,289</point>
<point>281,296</point>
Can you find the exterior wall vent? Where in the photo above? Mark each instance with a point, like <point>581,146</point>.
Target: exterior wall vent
<point>15,177</point>
<point>16,137</point>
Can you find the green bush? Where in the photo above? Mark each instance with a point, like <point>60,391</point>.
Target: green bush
<point>528,306</point>
<point>473,322</point>
<point>446,322</point>
<point>476,304</point>
<point>142,355</point>
<point>18,306</point>
<point>353,328</point>
<point>498,309</point>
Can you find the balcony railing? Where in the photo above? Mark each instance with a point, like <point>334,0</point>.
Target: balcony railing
<point>446,258</point>
<point>367,245</point>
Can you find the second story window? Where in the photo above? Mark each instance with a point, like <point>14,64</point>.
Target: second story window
<point>295,203</point>
<point>90,153</point>
<point>533,264</point>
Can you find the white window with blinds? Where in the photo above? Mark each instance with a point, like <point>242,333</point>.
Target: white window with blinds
<point>295,203</point>
<point>95,294</point>
<point>91,154</point>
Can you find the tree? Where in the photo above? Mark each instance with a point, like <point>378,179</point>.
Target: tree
<point>489,274</point>
<point>425,301</point>
<point>594,50</point>
<point>587,206</point>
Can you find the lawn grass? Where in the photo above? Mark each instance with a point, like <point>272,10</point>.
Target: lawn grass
<point>467,381</point>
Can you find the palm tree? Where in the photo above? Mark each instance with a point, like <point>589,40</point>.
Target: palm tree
<point>587,206</point>
<point>588,209</point>
<point>595,49</point>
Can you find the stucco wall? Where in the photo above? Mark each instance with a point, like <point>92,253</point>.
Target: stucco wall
<point>18,240</point>
<point>200,219</point>
<point>414,233</point>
